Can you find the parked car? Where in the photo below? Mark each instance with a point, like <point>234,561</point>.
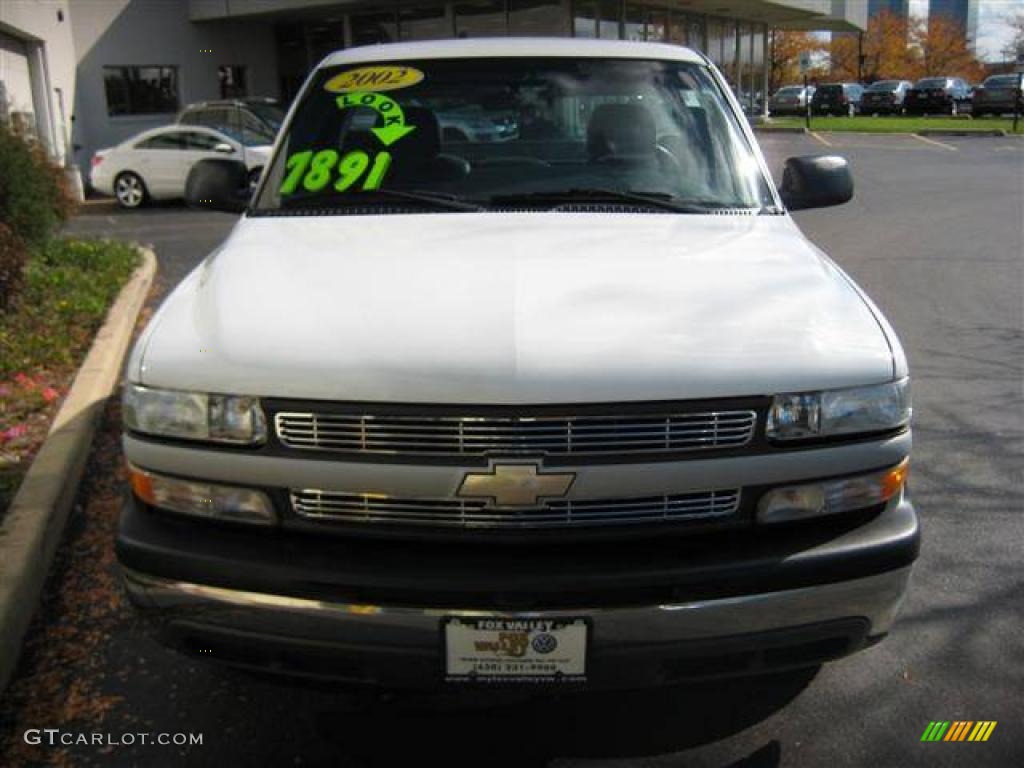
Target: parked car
<point>750,101</point>
<point>837,99</point>
<point>790,100</point>
<point>254,122</point>
<point>587,410</point>
<point>996,95</point>
<point>885,97</point>
<point>155,164</point>
<point>477,125</point>
<point>938,95</point>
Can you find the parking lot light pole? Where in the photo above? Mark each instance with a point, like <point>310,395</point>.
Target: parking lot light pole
<point>1018,97</point>
<point>807,105</point>
<point>805,65</point>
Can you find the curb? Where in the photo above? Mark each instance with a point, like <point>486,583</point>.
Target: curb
<point>947,132</point>
<point>985,134</point>
<point>34,523</point>
<point>777,129</point>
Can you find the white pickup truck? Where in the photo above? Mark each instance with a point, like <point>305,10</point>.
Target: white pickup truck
<point>583,407</point>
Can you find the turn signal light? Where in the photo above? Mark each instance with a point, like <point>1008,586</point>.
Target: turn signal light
<point>199,498</point>
<point>799,502</point>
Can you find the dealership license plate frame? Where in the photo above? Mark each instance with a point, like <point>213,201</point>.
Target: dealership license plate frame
<point>570,668</point>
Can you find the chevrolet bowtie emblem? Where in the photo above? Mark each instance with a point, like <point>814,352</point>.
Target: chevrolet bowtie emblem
<point>515,485</point>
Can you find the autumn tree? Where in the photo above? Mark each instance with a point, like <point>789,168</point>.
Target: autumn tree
<point>885,47</point>
<point>895,48</point>
<point>784,55</point>
<point>842,56</point>
<point>887,51</point>
<point>942,49</point>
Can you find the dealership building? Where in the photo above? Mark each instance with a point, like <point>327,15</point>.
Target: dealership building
<point>86,74</point>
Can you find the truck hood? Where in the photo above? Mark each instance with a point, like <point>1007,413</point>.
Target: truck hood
<point>514,309</point>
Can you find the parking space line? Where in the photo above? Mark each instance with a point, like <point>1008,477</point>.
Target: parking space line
<point>926,140</point>
<point>821,138</point>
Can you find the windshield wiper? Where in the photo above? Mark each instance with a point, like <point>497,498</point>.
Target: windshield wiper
<point>659,200</point>
<point>378,196</point>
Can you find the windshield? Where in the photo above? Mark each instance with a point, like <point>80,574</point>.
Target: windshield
<point>885,85</point>
<point>271,114</point>
<point>790,90</point>
<point>1001,81</point>
<point>514,132</point>
<point>931,82</point>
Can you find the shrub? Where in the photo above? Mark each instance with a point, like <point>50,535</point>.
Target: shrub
<point>68,286</point>
<point>34,198</point>
<point>12,265</point>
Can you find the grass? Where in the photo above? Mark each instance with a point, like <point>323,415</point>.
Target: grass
<point>69,286</point>
<point>867,124</point>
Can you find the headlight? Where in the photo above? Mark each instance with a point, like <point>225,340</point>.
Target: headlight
<point>840,411</point>
<point>194,415</point>
<point>202,499</point>
<point>797,502</point>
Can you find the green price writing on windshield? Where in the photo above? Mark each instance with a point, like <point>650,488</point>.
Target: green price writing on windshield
<point>315,169</point>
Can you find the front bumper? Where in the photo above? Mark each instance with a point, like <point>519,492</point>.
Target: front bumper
<point>882,108</point>
<point>371,614</point>
<point>993,105</point>
<point>786,109</point>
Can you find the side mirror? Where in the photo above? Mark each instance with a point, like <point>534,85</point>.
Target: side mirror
<point>224,148</point>
<point>816,181</point>
<point>218,184</point>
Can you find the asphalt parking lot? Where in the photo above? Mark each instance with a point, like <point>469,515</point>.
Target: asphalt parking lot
<point>935,236</point>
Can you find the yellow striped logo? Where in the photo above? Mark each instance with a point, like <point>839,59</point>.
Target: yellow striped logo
<point>958,730</point>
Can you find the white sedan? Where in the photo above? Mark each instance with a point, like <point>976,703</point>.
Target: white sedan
<point>154,164</point>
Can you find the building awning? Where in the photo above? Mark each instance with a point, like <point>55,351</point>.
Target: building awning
<point>835,15</point>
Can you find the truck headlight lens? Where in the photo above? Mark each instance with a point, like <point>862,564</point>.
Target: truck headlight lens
<point>194,415</point>
<point>202,499</point>
<point>797,502</point>
<point>805,415</point>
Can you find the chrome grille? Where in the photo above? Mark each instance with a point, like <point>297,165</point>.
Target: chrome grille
<point>553,435</point>
<point>473,513</point>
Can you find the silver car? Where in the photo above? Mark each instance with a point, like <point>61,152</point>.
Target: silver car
<point>790,100</point>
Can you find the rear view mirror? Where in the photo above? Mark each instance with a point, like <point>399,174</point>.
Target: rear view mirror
<point>218,184</point>
<point>816,181</point>
<point>224,148</point>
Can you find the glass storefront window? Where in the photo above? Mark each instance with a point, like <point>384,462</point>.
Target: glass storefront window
<point>292,65</point>
<point>233,81</point>
<point>371,28</point>
<point>608,24</point>
<point>423,23</point>
<point>728,63</point>
<point>716,32</point>
<point>538,18</point>
<point>596,18</point>
<point>483,18</point>
<point>141,90</point>
<point>695,35</point>
<point>326,37</point>
<point>686,29</point>
<point>646,23</point>
<point>584,18</point>
<point>633,28</point>
<point>657,25</point>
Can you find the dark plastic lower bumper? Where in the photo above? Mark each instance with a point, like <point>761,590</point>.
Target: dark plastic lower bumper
<point>371,613</point>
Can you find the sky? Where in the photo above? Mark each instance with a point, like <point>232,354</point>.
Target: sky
<point>993,32</point>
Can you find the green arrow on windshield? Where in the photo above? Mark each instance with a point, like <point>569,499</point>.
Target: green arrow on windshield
<point>394,126</point>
